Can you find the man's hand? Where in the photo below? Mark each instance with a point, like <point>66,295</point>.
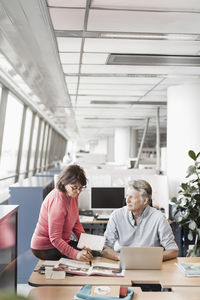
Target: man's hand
<point>84,255</point>
<point>110,253</point>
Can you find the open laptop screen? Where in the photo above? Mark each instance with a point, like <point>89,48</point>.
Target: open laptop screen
<point>148,258</point>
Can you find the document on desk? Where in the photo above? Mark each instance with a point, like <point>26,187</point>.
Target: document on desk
<point>50,273</point>
<point>189,269</point>
<point>84,268</point>
<point>50,263</point>
<point>91,241</point>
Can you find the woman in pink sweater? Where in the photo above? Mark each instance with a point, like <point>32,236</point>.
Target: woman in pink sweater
<point>59,218</point>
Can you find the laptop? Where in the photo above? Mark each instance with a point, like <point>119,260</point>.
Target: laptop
<point>141,258</point>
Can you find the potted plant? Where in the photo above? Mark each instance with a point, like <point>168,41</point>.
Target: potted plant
<point>187,203</point>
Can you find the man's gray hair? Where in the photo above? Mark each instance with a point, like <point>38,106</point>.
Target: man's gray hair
<point>143,187</point>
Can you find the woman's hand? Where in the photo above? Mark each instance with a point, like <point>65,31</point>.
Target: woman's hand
<point>85,255</point>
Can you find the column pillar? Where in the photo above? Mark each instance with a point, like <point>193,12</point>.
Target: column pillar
<point>122,145</point>
<point>110,148</point>
<point>183,124</point>
<point>133,143</point>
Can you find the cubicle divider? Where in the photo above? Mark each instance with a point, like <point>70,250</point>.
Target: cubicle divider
<point>28,194</point>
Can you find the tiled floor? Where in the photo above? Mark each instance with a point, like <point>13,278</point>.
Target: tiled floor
<point>23,289</point>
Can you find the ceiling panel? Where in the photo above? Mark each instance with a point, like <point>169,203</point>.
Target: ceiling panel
<point>119,80</point>
<point>69,58</point>
<point>94,58</point>
<point>112,92</point>
<point>108,98</point>
<point>71,79</point>
<point>170,47</point>
<point>153,4</point>
<point>154,22</point>
<point>67,19</point>
<point>72,88</point>
<point>155,98</point>
<point>70,68</point>
<point>108,87</point>
<point>106,69</point>
<point>69,44</point>
<point>67,3</point>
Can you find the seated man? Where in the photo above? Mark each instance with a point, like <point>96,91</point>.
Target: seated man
<point>138,224</point>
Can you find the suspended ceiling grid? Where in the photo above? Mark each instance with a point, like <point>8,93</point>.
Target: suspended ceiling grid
<point>106,96</point>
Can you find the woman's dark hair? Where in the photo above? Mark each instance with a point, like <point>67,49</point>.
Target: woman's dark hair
<point>70,175</point>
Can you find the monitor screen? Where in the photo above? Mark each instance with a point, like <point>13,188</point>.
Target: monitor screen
<point>107,197</point>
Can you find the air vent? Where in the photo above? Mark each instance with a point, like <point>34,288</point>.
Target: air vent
<point>154,60</point>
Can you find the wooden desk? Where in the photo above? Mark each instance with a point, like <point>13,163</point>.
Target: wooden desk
<point>59,293</point>
<point>67,293</point>
<point>169,275</point>
<point>37,279</point>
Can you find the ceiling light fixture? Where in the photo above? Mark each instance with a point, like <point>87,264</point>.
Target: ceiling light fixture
<point>150,36</point>
<point>153,60</point>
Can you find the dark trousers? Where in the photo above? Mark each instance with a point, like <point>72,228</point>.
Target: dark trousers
<point>52,254</point>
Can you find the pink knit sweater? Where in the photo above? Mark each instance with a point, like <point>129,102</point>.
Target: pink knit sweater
<point>58,218</point>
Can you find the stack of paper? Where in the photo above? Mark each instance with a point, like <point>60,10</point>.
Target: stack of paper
<point>190,269</point>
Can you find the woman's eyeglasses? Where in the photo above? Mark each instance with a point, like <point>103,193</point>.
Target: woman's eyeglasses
<point>77,188</point>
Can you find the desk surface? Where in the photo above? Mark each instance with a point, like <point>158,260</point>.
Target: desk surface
<point>37,279</point>
<point>169,276</point>
<point>67,293</point>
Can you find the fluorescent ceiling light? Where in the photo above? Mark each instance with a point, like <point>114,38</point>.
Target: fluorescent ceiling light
<point>132,36</point>
<point>127,35</point>
<point>151,36</point>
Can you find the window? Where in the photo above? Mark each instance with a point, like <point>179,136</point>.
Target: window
<point>26,140</point>
<point>45,147</point>
<point>11,136</point>
<point>40,144</point>
<point>34,141</point>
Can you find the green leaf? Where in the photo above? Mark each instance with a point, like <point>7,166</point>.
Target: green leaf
<point>192,225</point>
<point>184,186</point>
<point>197,197</point>
<point>191,170</point>
<point>192,155</point>
<point>174,200</point>
<point>190,236</point>
<point>197,155</point>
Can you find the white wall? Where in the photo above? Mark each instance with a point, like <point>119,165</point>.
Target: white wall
<point>183,125</point>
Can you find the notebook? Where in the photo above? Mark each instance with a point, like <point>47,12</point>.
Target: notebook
<point>143,258</point>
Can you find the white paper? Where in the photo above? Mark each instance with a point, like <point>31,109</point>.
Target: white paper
<point>58,275</point>
<point>86,218</point>
<point>91,241</point>
<point>48,272</point>
<point>102,264</point>
<point>51,274</point>
<point>72,263</point>
<point>50,263</point>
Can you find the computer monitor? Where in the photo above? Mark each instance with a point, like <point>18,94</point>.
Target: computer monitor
<point>107,197</point>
